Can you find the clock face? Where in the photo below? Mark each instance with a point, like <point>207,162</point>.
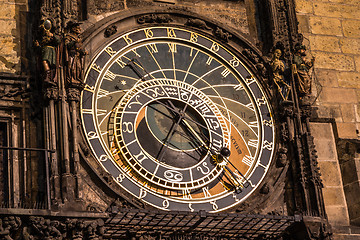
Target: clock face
<point>177,119</point>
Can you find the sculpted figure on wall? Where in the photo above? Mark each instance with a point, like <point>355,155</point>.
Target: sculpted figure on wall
<point>301,68</point>
<point>74,55</point>
<point>47,43</point>
<point>278,68</point>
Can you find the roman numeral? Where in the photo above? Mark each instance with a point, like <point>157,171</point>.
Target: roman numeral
<point>208,62</point>
<point>110,76</point>
<point>186,194</point>
<point>225,73</point>
<point>248,160</point>
<point>102,93</point>
<point>153,48</point>
<point>253,124</point>
<point>172,47</point>
<point>253,143</point>
<point>206,192</point>
<point>120,62</point>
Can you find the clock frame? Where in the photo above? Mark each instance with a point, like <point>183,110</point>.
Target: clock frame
<point>241,173</point>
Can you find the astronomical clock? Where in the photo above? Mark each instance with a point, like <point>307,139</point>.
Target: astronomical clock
<point>177,117</point>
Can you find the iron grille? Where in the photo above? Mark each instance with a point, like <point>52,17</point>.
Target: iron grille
<point>168,225</point>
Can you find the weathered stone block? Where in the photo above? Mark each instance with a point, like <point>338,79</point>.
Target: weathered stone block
<point>351,28</point>
<point>348,112</point>
<point>357,63</point>
<point>349,79</point>
<point>304,6</point>
<point>7,26</point>
<point>329,111</point>
<point>7,45</point>
<point>336,10</point>
<point>337,215</point>
<point>349,45</point>
<point>327,78</point>
<point>324,43</point>
<point>346,130</point>
<point>330,173</point>
<point>304,26</point>
<point>349,2</point>
<point>321,131</point>
<point>349,172</point>
<point>325,26</point>
<point>7,10</point>
<point>334,196</point>
<point>338,95</point>
<point>334,61</point>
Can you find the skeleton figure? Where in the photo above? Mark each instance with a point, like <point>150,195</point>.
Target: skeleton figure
<point>278,68</point>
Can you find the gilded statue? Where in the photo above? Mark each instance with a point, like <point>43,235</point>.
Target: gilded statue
<point>301,68</point>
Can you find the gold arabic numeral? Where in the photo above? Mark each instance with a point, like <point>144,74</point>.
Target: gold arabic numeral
<point>248,160</point>
<point>103,158</point>
<point>171,33</point>
<point>208,62</point>
<point>172,47</point>
<point>194,37</point>
<point>268,123</point>
<point>165,203</point>
<point>190,207</point>
<point>153,48</point>
<point>110,76</point>
<point>148,33</point>
<point>96,67</point>
<point>253,143</point>
<point>102,93</point>
<point>225,73</point>
<point>110,51</point>
<point>120,62</point>
<point>235,62</point>
<point>89,88</point>
<point>127,39</point>
<point>268,145</point>
<point>215,47</point>
<point>142,193</point>
<point>92,135</point>
<point>206,192</point>
<point>214,205</point>
<point>186,194</point>
<point>120,178</point>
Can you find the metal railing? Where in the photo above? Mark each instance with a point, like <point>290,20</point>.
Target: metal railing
<point>38,204</point>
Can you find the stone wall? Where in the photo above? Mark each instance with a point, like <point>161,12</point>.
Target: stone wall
<point>11,34</point>
<point>332,34</point>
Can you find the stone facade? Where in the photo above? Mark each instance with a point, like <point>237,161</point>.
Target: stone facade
<point>331,30</point>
